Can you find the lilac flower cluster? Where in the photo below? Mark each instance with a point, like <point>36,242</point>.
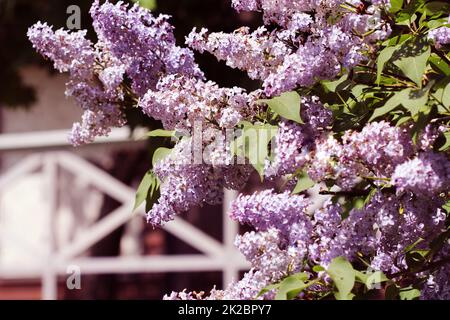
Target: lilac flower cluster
<point>302,42</point>
<point>290,150</point>
<point>266,209</point>
<point>430,134</point>
<point>73,53</point>
<point>428,174</point>
<point>437,285</point>
<point>287,233</point>
<point>294,142</point>
<point>132,42</point>
<point>179,102</point>
<point>380,146</point>
<point>324,235</point>
<point>379,232</point>
<point>265,252</point>
<point>185,184</point>
<point>144,43</point>
<point>440,36</point>
<point>305,49</point>
<point>374,151</point>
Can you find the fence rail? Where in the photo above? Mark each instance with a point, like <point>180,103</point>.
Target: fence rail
<point>215,255</point>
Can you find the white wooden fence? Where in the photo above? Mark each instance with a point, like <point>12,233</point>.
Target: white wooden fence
<point>49,160</point>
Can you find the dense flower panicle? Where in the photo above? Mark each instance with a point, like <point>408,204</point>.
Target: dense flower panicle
<point>380,146</point>
<point>429,135</point>
<point>179,102</point>
<point>71,52</point>
<point>246,5</point>
<point>247,288</point>
<point>294,142</point>
<point>315,114</point>
<point>332,160</point>
<point>440,36</point>
<point>306,49</point>
<point>185,184</point>
<point>326,222</point>
<point>282,11</point>
<point>428,174</point>
<point>381,230</point>
<point>289,154</point>
<point>267,209</point>
<point>144,43</point>
<point>133,43</point>
<point>437,286</point>
<point>243,49</point>
<point>137,63</point>
<point>264,251</point>
<point>96,123</point>
<point>376,150</point>
<point>112,77</point>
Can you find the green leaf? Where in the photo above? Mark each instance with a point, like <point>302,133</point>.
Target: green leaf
<point>407,15</point>
<point>369,279</point>
<point>267,289</point>
<point>143,189</point>
<point>396,5</point>
<point>402,120</point>
<point>375,278</point>
<point>253,144</point>
<point>416,100</point>
<point>318,269</point>
<point>384,56</point>
<point>343,276</point>
<point>413,245</point>
<point>371,194</point>
<point>412,60</point>
<point>412,100</point>
<point>304,183</point>
<point>287,105</point>
<point>160,154</point>
<point>390,105</point>
<point>161,133</point>
<point>152,196</point>
<point>361,276</point>
<point>436,8</point>
<point>446,206</point>
<point>337,85</point>
<point>291,286</point>
<point>434,24</point>
<point>409,293</point>
<point>446,96</point>
<point>405,20</point>
<point>446,145</point>
<point>439,65</point>
<point>391,292</point>
<point>396,40</point>
<point>358,92</point>
<point>148,4</point>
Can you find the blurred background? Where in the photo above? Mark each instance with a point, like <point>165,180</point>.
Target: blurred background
<point>65,213</point>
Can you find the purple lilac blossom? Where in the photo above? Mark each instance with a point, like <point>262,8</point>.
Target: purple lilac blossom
<point>428,174</point>
<point>144,43</point>
<point>71,52</point>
